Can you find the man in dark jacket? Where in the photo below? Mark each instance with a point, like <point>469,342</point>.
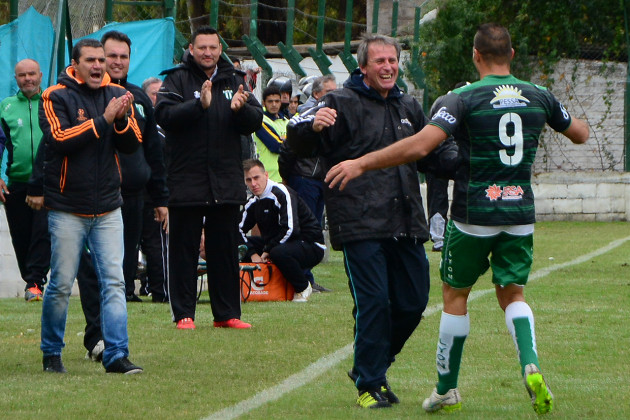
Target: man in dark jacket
<point>86,121</point>
<point>291,237</point>
<point>143,169</point>
<point>204,109</point>
<point>378,220</point>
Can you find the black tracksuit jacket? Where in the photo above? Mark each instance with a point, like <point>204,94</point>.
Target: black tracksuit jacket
<point>204,146</point>
<point>81,165</point>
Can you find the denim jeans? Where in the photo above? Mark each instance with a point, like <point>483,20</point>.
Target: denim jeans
<point>103,235</point>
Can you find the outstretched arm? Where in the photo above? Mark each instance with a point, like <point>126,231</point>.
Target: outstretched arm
<point>406,150</point>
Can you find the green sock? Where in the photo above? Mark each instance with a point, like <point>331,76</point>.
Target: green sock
<point>520,322</point>
<point>453,332</point>
<point>525,343</point>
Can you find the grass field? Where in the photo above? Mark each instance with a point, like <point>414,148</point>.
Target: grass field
<point>582,311</point>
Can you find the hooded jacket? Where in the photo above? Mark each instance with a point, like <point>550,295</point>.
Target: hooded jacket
<point>379,204</point>
<point>81,169</point>
<point>204,146</point>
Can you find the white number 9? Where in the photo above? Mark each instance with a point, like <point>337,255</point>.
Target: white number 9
<point>515,140</point>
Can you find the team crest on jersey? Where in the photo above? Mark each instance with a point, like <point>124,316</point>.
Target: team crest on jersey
<point>228,94</point>
<point>509,192</point>
<point>508,97</point>
<point>81,115</point>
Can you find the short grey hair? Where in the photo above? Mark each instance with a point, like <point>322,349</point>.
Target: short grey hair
<point>318,84</point>
<point>149,81</point>
<point>367,39</point>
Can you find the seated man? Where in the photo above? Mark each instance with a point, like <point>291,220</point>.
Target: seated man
<point>291,237</point>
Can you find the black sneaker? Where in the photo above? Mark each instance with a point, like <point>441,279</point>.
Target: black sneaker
<point>387,392</point>
<point>54,364</point>
<point>372,399</point>
<point>133,298</point>
<point>318,288</point>
<point>123,365</point>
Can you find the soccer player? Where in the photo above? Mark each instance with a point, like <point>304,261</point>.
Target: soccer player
<point>497,122</point>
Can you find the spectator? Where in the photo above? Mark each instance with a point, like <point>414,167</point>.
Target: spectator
<point>321,86</point>
<point>270,136</point>
<point>378,221</point>
<point>294,102</point>
<point>86,120</point>
<point>291,237</point>
<point>204,109</point>
<point>151,86</point>
<point>28,227</point>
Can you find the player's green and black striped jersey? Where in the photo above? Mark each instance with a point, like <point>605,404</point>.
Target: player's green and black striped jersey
<point>497,122</point>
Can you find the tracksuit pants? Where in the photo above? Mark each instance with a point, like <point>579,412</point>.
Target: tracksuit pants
<point>29,236</point>
<point>221,233</point>
<point>389,282</point>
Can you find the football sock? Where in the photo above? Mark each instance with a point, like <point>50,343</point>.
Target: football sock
<point>453,332</point>
<point>520,322</point>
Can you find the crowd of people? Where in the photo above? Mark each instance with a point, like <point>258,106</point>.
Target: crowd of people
<point>99,168</point>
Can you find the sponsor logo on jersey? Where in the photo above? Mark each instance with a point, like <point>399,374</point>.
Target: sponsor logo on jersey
<point>509,192</point>
<point>445,115</point>
<point>508,97</point>
<point>405,121</point>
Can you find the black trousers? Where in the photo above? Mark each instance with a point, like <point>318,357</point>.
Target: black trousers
<point>90,300</point>
<point>389,282</point>
<point>29,236</point>
<point>132,230</point>
<point>221,233</point>
<point>291,258</point>
<point>153,245</point>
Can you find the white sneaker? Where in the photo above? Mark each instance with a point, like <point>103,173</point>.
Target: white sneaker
<point>303,295</point>
<point>542,398</point>
<point>96,354</point>
<point>451,401</point>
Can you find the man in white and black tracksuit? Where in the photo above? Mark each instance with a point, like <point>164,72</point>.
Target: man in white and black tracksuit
<point>204,109</point>
<point>291,237</point>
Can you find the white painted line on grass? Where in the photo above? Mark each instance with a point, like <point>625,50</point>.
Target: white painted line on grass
<point>314,370</point>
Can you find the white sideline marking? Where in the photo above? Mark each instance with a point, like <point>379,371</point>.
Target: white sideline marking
<point>317,368</point>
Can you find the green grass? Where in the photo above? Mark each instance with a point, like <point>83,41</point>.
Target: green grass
<point>581,311</point>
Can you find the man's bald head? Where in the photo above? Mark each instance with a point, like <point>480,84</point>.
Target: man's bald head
<point>28,77</point>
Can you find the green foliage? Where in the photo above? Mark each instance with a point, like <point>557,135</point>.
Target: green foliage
<point>542,33</point>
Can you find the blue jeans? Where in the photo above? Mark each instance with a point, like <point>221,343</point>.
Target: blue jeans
<point>103,235</point>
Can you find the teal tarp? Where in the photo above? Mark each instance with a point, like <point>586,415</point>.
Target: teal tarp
<point>29,36</point>
<point>151,46</point>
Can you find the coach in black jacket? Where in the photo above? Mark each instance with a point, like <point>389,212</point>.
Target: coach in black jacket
<point>86,121</point>
<point>291,237</point>
<point>204,109</point>
<point>377,220</point>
